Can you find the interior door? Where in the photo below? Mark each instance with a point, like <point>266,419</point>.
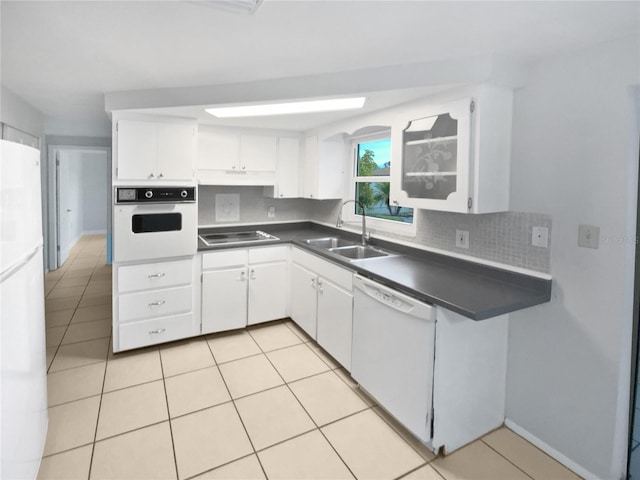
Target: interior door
<point>70,208</point>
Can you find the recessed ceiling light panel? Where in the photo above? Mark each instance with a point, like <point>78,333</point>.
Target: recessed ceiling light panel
<point>289,108</point>
<point>235,6</point>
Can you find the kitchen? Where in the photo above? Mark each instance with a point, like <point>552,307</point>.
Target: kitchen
<point>550,395</point>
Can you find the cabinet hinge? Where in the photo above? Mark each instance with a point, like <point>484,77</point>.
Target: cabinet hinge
<point>470,203</point>
<point>472,107</point>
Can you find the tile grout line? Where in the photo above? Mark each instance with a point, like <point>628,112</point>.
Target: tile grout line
<point>307,413</point>
<point>166,399</point>
<point>507,459</point>
<point>235,407</point>
<point>95,433</point>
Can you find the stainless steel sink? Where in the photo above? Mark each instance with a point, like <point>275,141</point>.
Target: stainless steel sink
<point>329,242</point>
<point>357,252</point>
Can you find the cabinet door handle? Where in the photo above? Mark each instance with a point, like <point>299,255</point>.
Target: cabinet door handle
<point>319,286</point>
<point>234,167</point>
<point>156,275</point>
<point>243,276</point>
<point>161,175</point>
<point>151,175</point>
<point>253,274</point>
<point>159,330</point>
<point>313,283</point>
<point>157,304</point>
<point>244,167</point>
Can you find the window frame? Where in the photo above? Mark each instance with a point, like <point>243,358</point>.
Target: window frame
<point>373,223</point>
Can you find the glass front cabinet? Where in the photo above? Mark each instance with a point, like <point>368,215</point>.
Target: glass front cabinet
<point>455,156</point>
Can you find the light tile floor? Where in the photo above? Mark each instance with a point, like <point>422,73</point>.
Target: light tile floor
<point>265,402</point>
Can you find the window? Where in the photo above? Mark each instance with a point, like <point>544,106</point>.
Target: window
<point>371,185</point>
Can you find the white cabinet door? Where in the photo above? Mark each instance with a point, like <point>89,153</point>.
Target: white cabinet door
<point>303,299</point>
<point>267,292</point>
<point>335,314</point>
<point>176,151</point>
<point>218,151</point>
<point>136,149</point>
<point>258,153</point>
<point>224,300</point>
<point>435,158</point>
<point>310,184</point>
<point>323,167</point>
<point>288,168</point>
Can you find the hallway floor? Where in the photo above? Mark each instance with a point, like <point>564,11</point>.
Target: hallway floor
<point>265,402</point>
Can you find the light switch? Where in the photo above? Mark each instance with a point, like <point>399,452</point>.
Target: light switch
<point>588,236</point>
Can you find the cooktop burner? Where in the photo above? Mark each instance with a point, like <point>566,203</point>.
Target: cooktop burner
<point>250,236</point>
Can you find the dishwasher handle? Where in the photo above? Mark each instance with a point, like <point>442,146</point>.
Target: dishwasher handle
<point>394,299</point>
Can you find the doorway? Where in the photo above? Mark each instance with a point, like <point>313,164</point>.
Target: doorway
<point>79,198</point>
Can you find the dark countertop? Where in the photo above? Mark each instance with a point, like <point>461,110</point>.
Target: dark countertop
<point>471,289</point>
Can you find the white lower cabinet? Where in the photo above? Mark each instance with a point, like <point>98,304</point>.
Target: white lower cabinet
<point>244,286</point>
<point>153,303</point>
<point>224,299</point>
<point>322,303</point>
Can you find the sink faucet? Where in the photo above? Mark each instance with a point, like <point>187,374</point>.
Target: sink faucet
<point>339,221</point>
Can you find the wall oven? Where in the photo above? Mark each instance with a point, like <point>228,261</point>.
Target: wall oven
<point>154,222</point>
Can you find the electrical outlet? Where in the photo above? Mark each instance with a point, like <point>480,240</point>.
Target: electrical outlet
<point>271,211</point>
<point>540,237</point>
<point>462,239</point>
<point>588,236</point>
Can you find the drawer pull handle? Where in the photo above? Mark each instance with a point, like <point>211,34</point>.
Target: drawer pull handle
<point>156,275</point>
<point>159,330</point>
<point>157,304</point>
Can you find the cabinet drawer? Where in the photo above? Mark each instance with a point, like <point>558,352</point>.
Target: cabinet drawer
<point>155,303</point>
<point>159,330</point>
<point>324,268</point>
<point>222,259</point>
<point>154,275</point>
<point>268,254</point>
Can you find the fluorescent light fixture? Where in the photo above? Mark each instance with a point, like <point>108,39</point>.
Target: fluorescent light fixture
<point>288,108</point>
<point>234,6</point>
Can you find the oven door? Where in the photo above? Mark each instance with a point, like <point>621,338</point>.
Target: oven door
<point>152,231</point>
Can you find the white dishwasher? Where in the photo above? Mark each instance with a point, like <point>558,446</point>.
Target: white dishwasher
<point>393,353</point>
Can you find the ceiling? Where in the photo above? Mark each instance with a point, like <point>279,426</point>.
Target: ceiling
<point>62,57</point>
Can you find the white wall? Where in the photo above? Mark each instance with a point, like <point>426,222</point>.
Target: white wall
<point>572,159</point>
<point>95,186</point>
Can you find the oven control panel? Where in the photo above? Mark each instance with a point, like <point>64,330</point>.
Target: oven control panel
<point>155,194</point>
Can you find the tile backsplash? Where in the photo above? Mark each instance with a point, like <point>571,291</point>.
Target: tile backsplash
<point>499,237</point>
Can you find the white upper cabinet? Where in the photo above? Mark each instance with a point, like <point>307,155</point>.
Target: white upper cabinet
<point>258,153</point>
<point>323,167</point>
<point>287,170</point>
<point>151,151</point>
<point>230,158</point>
<point>454,156</point>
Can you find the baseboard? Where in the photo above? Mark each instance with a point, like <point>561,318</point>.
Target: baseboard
<point>552,452</point>
<point>94,232</point>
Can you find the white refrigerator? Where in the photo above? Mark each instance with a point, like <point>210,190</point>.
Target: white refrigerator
<point>23,375</point>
